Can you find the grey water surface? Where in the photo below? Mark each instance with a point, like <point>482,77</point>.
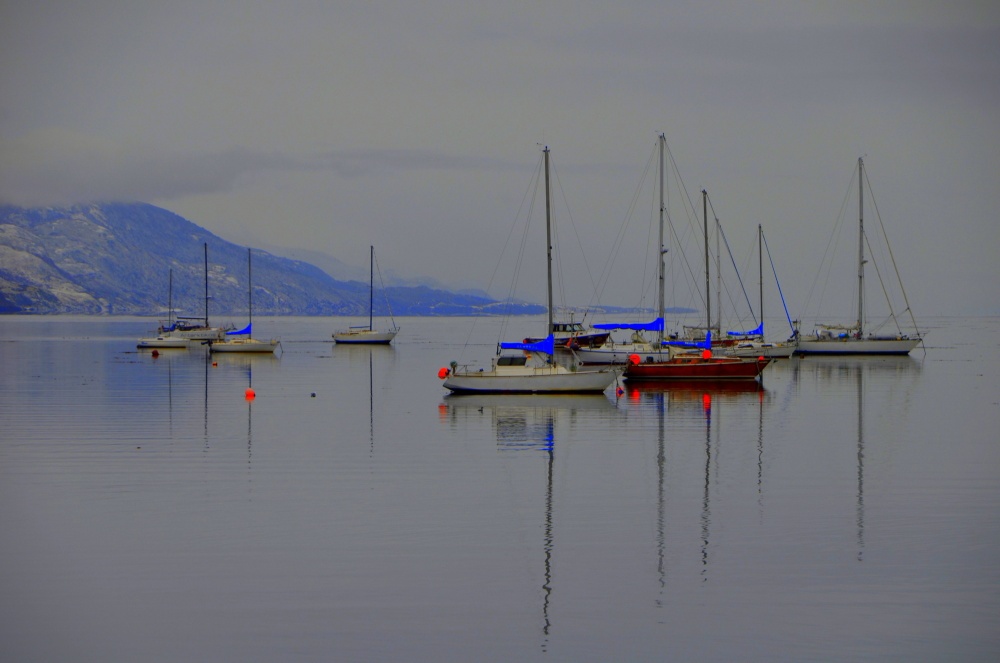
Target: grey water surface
<point>844,509</point>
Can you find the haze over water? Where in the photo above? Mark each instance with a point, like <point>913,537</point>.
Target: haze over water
<point>848,509</point>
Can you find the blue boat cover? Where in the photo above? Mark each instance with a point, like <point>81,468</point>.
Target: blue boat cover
<point>706,344</point>
<point>753,332</point>
<point>243,332</point>
<point>546,345</point>
<point>655,325</point>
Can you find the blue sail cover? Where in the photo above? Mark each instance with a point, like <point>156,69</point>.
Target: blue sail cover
<point>753,332</point>
<point>546,345</point>
<point>706,344</point>
<point>655,325</point>
<point>243,332</point>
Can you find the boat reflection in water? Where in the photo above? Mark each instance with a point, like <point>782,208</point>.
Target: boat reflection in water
<point>533,423</point>
<point>868,381</point>
<point>693,401</point>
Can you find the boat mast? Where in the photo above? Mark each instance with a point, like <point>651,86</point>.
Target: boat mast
<point>708,280</point>
<point>206,284</point>
<point>660,304</point>
<point>170,301</point>
<point>861,245</point>
<point>760,273</point>
<point>548,233</point>
<point>249,288</point>
<point>371,287</point>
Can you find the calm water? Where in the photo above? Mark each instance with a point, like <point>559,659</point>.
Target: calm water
<point>848,510</point>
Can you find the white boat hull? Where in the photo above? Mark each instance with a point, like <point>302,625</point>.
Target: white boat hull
<point>163,342</point>
<point>245,345</point>
<point>856,346</point>
<point>612,354</point>
<point>756,349</point>
<point>530,380</point>
<point>365,336</point>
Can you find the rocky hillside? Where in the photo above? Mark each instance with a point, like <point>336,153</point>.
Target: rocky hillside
<point>116,259</point>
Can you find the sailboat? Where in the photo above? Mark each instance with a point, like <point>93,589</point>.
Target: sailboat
<point>535,369</point>
<point>661,359</point>
<point>180,330</point>
<point>619,353</point>
<point>368,335</point>
<point>752,343</point>
<point>164,338</point>
<point>241,340</point>
<point>851,338</point>
<point>693,360</point>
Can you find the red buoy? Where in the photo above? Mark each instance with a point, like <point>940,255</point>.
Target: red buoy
<point>633,359</point>
<point>250,394</point>
<point>443,372</point>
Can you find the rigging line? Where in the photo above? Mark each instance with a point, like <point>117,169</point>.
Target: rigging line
<point>385,294</point>
<point>496,267</point>
<point>521,252</point>
<point>777,282</point>
<point>831,243</point>
<point>892,258</point>
<point>739,277</point>
<point>616,247</point>
<point>576,234</point>
<point>881,282</point>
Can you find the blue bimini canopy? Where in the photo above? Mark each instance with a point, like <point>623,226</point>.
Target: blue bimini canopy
<point>655,325</point>
<point>243,332</point>
<point>753,332</point>
<point>706,344</point>
<point>546,345</point>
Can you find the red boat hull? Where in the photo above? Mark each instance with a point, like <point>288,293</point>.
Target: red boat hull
<point>697,368</point>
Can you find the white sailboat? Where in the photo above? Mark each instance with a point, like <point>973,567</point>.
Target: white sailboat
<point>180,331</point>
<point>368,335</point>
<point>241,340</point>
<point>535,369</point>
<point>164,339</point>
<point>856,338</point>
<point>614,352</point>
<point>752,343</point>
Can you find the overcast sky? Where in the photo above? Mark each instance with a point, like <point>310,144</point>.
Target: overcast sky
<point>415,126</point>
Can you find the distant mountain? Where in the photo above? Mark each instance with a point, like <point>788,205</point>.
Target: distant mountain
<point>116,259</point>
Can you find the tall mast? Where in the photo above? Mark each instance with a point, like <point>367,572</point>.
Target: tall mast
<point>170,301</point>
<point>661,305</point>
<point>548,232</point>
<point>708,281</point>
<point>861,245</point>
<point>371,287</point>
<point>760,272</point>
<point>249,288</point>
<point>206,285</point>
<point>718,273</point>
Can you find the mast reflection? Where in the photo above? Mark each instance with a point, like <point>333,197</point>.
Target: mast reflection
<point>691,401</point>
<point>525,424</point>
<point>860,378</point>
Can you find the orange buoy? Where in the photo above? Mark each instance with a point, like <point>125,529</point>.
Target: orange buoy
<point>443,372</point>
<point>250,394</point>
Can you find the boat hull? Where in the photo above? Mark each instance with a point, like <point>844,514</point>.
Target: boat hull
<point>752,350</point>
<point>163,343</point>
<point>697,368</point>
<point>857,346</point>
<point>532,381</point>
<point>365,337</point>
<point>245,345</point>
<point>611,354</point>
